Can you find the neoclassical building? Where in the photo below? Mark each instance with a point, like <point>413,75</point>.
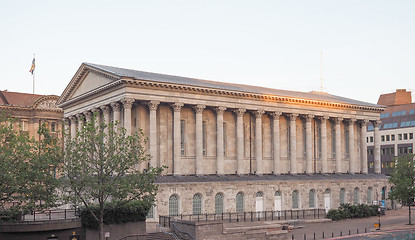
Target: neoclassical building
<point>232,147</point>
<point>30,111</point>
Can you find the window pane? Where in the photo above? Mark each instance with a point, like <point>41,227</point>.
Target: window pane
<point>239,202</point>
<point>174,206</point>
<point>369,195</point>
<point>342,193</point>
<point>295,200</point>
<point>219,203</point>
<point>311,199</point>
<point>197,204</point>
<point>356,196</point>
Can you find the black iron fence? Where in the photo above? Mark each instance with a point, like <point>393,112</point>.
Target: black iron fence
<point>248,216</point>
<point>50,215</point>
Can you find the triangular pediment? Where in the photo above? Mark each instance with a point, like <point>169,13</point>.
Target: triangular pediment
<point>86,80</point>
<point>90,82</point>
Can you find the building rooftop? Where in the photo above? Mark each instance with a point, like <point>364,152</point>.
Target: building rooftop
<point>18,99</point>
<point>170,79</point>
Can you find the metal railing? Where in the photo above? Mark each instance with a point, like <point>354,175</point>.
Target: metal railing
<point>50,215</point>
<point>186,235</point>
<point>248,216</point>
<point>165,232</point>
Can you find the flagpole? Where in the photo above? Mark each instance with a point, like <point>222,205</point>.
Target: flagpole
<point>33,77</point>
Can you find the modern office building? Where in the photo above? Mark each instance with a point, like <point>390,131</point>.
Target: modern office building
<point>396,130</point>
<point>232,147</point>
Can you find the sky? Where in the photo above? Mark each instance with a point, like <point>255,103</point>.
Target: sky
<point>367,46</point>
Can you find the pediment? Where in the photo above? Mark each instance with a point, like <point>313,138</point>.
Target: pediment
<point>90,82</point>
<point>47,102</point>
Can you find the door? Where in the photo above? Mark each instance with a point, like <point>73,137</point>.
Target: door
<point>259,204</point>
<point>327,201</point>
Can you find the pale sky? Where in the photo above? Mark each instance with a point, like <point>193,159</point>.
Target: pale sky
<point>368,46</point>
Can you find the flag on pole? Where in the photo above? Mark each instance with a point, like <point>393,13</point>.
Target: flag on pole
<point>32,68</point>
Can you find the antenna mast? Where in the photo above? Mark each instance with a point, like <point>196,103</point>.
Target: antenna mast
<point>321,63</point>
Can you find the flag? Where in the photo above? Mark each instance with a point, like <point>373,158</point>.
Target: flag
<point>32,68</point>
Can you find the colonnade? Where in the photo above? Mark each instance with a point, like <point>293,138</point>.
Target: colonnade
<point>104,114</point>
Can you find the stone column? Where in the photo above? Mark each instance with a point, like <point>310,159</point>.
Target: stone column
<point>220,158</point>
<point>308,143</point>
<point>73,126</point>
<point>258,142</point>
<point>363,146</point>
<point>377,146</point>
<point>106,115</point>
<point>116,109</point>
<point>293,144</point>
<point>352,154</point>
<point>152,140</point>
<point>128,105</point>
<point>81,119</point>
<point>88,116</point>
<point>177,107</point>
<point>97,117</point>
<point>338,146</point>
<point>199,138</point>
<point>276,139</point>
<point>324,168</point>
<point>240,140</point>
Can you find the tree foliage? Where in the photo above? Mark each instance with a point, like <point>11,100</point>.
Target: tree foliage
<point>101,166</point>
<point>403,179</point>
<point>27,168</point>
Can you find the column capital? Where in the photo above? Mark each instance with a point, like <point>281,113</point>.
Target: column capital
<point>323,119</point>
<point>240,112</point>
<point>177,107</point>
<point>309,117</point>
<point>105,108</point>
<point>66,120</point>
<point>376,123</point>
<point>364,122</point>
<point>96,110</point>
<point>199,108</point>
<point>275,115</point>
<point>127,102</point>
<point>87,114</point>
<point>72,118</point>
<point>116,106</point>
<point>338,120</point>
<point>293,116</point>
<point>153,105</point>
<point>80,116</point>
<point>259,113</point>
<point>351,120</point>
<point>220,110</point>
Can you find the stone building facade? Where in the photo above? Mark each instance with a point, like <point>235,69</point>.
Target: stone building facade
<point>215,136</point>
<point>32,110</point>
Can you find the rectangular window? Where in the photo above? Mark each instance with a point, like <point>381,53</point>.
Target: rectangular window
<point>409,149</point>
<point>346,136</point>
<point>382,138</point>
<point>393,137</point>
<point>411,136</point>
<point>204,137</point>
<point>333,140</point>
<point>383,151</point>
<point>412,111</point>
<point>371,139</point>
<point>367,139</point>
<point>405,136</point>
<point>24,125</point>
<point>393,151</point>
<point>182,137</point>
<point>53,127</point>
<point>387,137</point>
<point>400,136</point>
<point>224,138</point>
<point>371,165</point>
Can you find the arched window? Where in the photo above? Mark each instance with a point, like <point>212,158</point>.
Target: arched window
<point>327,199</point>
<point>384,193</point>
<point>295,199</point>
<point>342,196</point>
<point>219,203</point>
<point>197,204</point>
<point>174,205</point>
<point>312,199</point>
<point>240,202</point>
<point>356,196</point>
<point>369,196</point>
<point>278,201</point>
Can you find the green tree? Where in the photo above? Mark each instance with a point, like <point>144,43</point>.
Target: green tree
<point>403,179</point>
<point>27,176</point>
<point>100,167</point>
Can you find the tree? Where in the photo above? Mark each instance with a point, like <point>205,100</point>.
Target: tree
<point>100,167</point>
<point>403,179</point>
<point>27,176</point>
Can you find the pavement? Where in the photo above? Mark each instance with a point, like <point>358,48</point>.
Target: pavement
<point>394,223</point>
